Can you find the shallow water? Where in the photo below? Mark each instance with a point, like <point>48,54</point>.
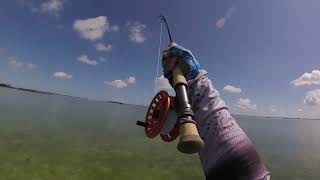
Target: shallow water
<point>58,137</point>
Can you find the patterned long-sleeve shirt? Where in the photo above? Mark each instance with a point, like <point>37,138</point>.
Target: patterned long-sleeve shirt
<point>228,152</point>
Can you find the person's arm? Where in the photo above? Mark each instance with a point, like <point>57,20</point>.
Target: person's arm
<point>228,152</point>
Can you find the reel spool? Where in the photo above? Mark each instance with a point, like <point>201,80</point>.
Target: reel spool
<point>157,119</point>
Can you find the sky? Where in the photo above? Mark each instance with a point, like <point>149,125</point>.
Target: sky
<point>262,56</point>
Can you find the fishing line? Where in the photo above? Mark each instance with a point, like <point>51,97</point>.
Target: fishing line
<point>159,56</point>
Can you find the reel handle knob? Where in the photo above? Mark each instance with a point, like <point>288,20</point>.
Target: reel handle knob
<point>140,123</point>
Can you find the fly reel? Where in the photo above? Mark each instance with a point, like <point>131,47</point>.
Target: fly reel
<point>161,118</point>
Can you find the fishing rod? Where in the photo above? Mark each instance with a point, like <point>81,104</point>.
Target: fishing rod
<point>173,116</point>
<point>164,20</point>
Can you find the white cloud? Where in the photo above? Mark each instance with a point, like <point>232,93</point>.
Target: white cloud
<point>20,65</point>
<point>116,83</point>
<point>53,7</point>
<point>231,89</point>
<point>131,80</point>
<point>102,47</point>
<point>312,98</point>
<point>85,59</point>
<point>245,104</point>
<point>103,59</point>
<point>300,110</point>
<point>163,84</point>
<point>273,109</point>
<point>62,75</point>
<point>121,83</point>
<point>312,78</point>
<point>114,28</point>
<point>137,32</point>
<point>221,22</point>
<point>92,28</point>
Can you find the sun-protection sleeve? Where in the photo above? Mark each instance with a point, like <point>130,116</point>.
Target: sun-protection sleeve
<point>228,152</point>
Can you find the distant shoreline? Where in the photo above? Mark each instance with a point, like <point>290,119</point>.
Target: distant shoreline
<point>9,86</point>
<point>30,90</point>
<point>4,85</point>
<point>25,89</point>
<point>279,117</point>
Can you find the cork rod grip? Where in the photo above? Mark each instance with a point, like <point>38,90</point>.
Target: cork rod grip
<point>190,141</point>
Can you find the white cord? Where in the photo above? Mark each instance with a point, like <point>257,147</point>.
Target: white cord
<point>156,82</point>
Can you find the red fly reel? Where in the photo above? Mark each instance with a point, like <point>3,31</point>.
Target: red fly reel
<point>156,117</point>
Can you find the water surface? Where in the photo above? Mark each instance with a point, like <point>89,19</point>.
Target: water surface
<point>58,137</point>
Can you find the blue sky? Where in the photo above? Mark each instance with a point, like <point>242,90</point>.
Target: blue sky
<point>107,50</point>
